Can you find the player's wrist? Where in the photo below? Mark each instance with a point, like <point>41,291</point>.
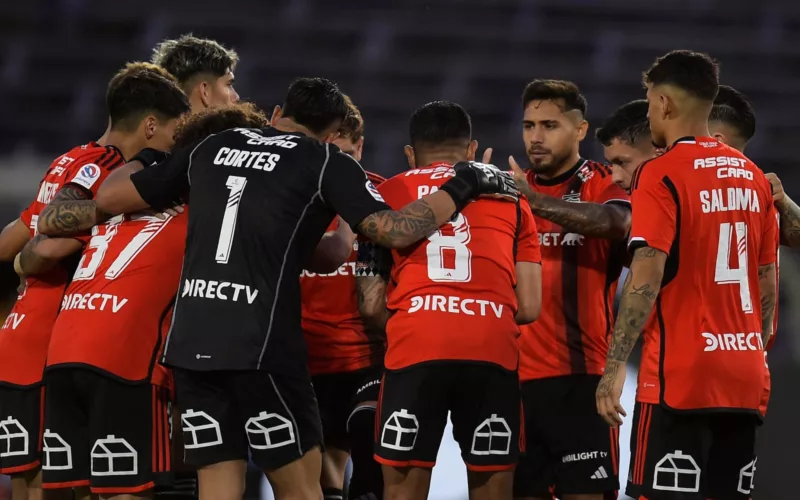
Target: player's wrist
<point>18,265</point>
<point>461,190</point>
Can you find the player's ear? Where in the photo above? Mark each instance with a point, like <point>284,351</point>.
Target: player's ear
<point>472,148</point>
<point>359,148</point>
<point>204,92</point>
<point>149,124</point>
<point>277,112</point>
<point>409,152</point>
<point>666,106</point>
<point>720,137</point>
<point>582,129</point>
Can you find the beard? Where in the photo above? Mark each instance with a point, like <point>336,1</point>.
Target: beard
<point>547,163</point>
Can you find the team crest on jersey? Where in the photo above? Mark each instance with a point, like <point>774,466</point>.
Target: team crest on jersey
<point>585,173</point>
<point>374,191</point>
<point>87,175</point>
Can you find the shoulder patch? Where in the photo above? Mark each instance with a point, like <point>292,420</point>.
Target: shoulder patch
<point>87,175</point>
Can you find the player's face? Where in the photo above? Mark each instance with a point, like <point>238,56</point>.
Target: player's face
<point>163,134</point>
<point>222,92</point>
<point>551,136</point>
<point>625,159</point>
<point>350,147</point>
<point>656,116</point>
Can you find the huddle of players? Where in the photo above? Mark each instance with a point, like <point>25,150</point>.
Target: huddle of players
<point>466,365</point>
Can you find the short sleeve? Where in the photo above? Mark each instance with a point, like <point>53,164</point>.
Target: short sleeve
<point>346,189</point>
<point>162,184</point>
<point>89,172</point>
<point>528,237</point>
<point>27,216</point>
<point>604,190</point>
<point>771,239</point>
<point>372,260</point>
<point>654,211</point>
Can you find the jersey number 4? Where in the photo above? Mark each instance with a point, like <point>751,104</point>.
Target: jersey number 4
<point>449,257</point>
<point>724,274</point>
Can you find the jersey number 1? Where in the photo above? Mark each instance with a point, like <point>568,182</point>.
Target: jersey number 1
<point>236,186</point>
<point>449,258</point>
<point>726,275</point>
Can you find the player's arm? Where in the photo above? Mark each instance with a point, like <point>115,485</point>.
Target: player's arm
<point>13,239</point>
<point>373,265</point>
<point>789,212</point>
<point>767,281</point>
<point>528,267</point>
<point>41,254</point>
<point>333,249</point>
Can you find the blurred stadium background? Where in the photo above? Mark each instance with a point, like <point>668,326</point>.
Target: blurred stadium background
<point>56,57</point>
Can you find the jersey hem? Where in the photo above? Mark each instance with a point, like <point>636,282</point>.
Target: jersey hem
<point>455,362</point>
<point>548,377</point>
<point>12,385</point>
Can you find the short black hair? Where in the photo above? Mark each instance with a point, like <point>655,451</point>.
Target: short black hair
<point>694,72</point>
<point>139,89</point>
<point>440,123</point>
<point>628,123</point>
<point>553,90</point>
<point>188,56</point>
<point>732,108</point>
<point>315,103</point>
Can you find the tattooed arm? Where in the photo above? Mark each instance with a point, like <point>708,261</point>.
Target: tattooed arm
<point>790,222</point>
<point>599,220</point>
<point>69,213</point>
<point>41,253</point>
<point>638,297</point>
<point>767,281</point>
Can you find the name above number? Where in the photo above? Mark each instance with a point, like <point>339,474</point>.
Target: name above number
<point>256,160</point>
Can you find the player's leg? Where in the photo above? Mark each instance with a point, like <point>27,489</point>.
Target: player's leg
<point>412,415</point>
<point>485,410</point>
<point>730,471</point>
<point>668,453</point>
<point>587,449</point>
<point>213,434</point>
<point>332,394</point>
<point>284,431</point>
<point>366,482</point>
<point>535,473</point>
<point>182,483</point>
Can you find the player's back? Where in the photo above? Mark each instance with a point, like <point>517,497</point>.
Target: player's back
<point>26,332</point>
<point>708,314</point>
<point>452,294</point>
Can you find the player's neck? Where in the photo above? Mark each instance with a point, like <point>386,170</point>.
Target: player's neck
<point>288,125</point>
<point>565,166</point>
<point>443,157</point>
<point>103,140</point>
<point>688,128</point>
<point>128,145</point>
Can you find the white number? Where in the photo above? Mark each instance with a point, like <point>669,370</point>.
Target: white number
<point>449,244</point>
<point>35,224</point>
<point>236,184</point>
<point>90,262</point>
<point>724,274</point>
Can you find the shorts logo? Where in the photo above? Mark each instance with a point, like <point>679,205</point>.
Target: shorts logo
<point>14,438</point>
<point>491,437</point>
<point>199,430</point>
<point>114,456</point>
<point>57,452</point>
<point>400,431</point>
<point>600,473</point>
<point>87,175</point>
<point>746,476</point>
<point>374,191</point>
<point>268,431</point>
<point>677,472</point>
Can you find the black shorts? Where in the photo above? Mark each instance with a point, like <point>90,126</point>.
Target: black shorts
<point>568,446</point>
<point>691,456</point>
<point>339,395</point>
<point>225,414</point>
<point>104,433</point>
<point>484,405</point>
<point>20,428</point>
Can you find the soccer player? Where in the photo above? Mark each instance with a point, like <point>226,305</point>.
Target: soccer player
<point>260,201</point>
<point>582,217</point>
<point>344,358</point>
<point>144,106</point>
<point>101,376</point>
<point>455,303</point>
<point>703,241</point>
<point>626,140</point>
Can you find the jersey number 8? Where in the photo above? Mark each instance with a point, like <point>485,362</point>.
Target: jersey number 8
<point>449,257</point>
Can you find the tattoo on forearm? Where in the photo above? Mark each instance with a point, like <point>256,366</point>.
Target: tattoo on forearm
<point>28,260</point>
<point>401,228</point>
<point>371,294</point>
<point>589,219</point>
<point>70,212</point>
<point>790,223</point>
<point>767,285</point>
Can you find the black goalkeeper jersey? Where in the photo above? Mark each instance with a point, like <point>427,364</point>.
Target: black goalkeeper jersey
<point>260,200</point>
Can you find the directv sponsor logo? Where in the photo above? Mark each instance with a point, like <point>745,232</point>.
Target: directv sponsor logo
<point>455,305</point>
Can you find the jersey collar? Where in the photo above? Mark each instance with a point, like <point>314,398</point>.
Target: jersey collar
<point>561,178</point>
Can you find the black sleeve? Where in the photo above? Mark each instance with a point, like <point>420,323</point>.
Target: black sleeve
<point>163,184</point>
<point>347,190</point>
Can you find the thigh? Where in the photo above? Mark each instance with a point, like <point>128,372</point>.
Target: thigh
<point>731,463</point>
<point>412,415</point>
<point>333,391</point>
<point>211,425</point>
<point>668,453</point>
<point>282,419</point>
<point>65,450</point>
<point>129,435</point>
<point>21,427</point>
<point>585,449</point>
<point>485,410</point>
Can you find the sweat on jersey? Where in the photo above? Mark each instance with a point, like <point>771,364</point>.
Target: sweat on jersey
<point>260,200</point>
<point>25,335</point>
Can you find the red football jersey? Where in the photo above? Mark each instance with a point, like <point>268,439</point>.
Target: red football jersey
<point>452,294</point>
<point>26,332</point>
<point>333,329</point>
<point>579,279</point>
<point>116,312</point>
<point>710,209</point>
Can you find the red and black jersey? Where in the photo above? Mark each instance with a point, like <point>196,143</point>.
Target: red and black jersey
<point>333,329</point>
<point>26,332</point>
<point>579,279</point>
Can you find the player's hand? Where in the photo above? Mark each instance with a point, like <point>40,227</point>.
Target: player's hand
<point>520,178</point>
<point>609,392</point>
<point>778,195</point>
<point>173,211</point>
<point>490,180</point>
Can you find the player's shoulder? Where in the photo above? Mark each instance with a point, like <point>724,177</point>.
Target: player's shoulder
<point>92,155</point>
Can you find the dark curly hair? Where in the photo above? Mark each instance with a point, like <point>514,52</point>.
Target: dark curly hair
<point>200,125</point>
